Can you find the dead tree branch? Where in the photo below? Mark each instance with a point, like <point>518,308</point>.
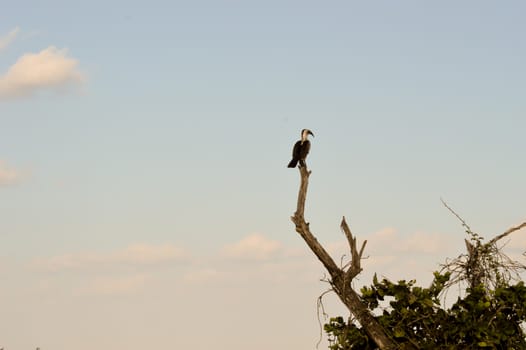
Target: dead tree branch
<point>464,224</point>
<point>356,256</point>
<point>507,232</point>
<point>340,280</point>
<point>484,263</point>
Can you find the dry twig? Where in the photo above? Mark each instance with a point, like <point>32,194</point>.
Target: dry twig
<point>484,263</point>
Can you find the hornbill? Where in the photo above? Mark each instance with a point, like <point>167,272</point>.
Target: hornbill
<point>301,149</point>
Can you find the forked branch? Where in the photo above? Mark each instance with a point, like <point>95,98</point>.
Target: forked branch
<point>340,280</point>
<point>356,256</point>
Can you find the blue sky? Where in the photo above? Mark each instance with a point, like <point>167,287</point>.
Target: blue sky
<point>143,152</point>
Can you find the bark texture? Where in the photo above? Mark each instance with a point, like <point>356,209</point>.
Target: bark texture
<point>340,278</point>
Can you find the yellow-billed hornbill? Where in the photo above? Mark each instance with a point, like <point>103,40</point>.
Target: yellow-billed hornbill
<point>301,149</point>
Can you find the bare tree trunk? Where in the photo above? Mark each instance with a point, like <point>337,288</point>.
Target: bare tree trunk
<point>341,279</point>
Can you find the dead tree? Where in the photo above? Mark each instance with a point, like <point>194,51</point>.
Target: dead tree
<point>340,278</point>
<point>483,264</point>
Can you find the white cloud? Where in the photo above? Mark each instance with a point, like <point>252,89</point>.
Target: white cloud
<point>8,38</point>
<point>400,256</point>
<point>114,285</point>
<point>389,240</point>
<point>253,247</point>
<point>136,254</point>
<point>50,68</point>
<point>203,276</point>
<point>148,254</point>
<point>8,175</point>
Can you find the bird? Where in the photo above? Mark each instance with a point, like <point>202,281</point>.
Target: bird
<point>301,149</point>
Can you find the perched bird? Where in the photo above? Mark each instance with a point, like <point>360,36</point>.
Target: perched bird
<point>301,149</point>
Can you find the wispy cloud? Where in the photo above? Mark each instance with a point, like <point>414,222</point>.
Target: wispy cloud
<point>136,254</point>
<point>8,175</point>
<point>7,39</point>
<point>388,241</point>
<point>252,247</point>
<point>392,241</point>
<point>109,286</point>
<point>147,253</point>
<point>397,255</point>
<point>203,275</point>
<point>49,68</point>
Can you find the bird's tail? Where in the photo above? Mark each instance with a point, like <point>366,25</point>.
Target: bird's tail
<point>293,163</point>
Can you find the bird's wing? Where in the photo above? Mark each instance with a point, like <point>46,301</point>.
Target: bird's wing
<point>296,150</point>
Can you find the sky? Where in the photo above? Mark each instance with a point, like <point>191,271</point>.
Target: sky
<point>144,196</point>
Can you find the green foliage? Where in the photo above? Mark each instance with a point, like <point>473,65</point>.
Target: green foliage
<point>414,317</point>
<point>489,314</point>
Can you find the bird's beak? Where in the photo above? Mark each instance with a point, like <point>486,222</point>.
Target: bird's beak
<point>310,133</point>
